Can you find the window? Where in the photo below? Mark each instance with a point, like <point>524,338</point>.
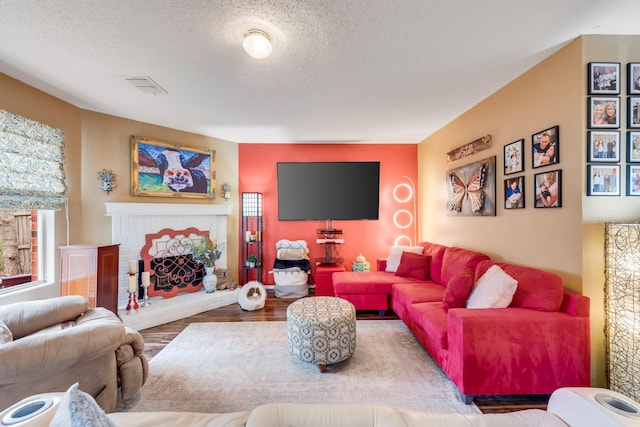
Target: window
<point>26,247</point>
<point>32,186</point>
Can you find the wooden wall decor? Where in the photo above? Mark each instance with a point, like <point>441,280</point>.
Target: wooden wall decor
<point>469,149</point>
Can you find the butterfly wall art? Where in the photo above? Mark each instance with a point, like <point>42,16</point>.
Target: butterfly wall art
<point>472,189</point>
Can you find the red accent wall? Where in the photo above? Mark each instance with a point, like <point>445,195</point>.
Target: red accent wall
<point>398,164</point>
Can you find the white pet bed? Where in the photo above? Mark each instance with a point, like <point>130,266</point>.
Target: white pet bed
<point>252,296</point>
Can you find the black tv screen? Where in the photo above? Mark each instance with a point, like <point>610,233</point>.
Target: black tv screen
<point>328,191</point>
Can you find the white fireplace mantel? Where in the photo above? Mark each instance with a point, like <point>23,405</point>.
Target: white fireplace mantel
<point>131,222</point>
<point>135,209</point>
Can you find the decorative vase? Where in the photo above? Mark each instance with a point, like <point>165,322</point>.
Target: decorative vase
<point>210,280</point>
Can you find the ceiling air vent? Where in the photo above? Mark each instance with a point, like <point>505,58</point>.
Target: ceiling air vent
<point>147,85</point>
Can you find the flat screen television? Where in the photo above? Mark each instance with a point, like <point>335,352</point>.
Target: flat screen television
<point>328,191</point>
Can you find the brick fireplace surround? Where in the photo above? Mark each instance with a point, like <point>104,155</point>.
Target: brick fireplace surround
<point>131,222</point>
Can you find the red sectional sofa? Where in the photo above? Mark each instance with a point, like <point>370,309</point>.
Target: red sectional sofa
<point>539,343</point>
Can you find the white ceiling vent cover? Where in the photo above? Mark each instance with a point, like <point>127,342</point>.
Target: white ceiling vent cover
<point>146,85</point>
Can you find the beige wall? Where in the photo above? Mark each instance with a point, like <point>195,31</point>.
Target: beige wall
<point>567,240</point>
<point>97,141</point>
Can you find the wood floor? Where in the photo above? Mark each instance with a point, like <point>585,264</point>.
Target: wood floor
<point>156,338</point>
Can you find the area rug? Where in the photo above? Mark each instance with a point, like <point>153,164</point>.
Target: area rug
<point>235,366</point>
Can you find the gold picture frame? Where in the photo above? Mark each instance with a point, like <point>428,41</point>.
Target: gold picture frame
<point>165,169</point>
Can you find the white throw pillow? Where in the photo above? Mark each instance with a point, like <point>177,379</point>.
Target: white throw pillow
<point>395,253</point>
<point>494,289</point>
<point>79,409</point>
<point>5,333</point>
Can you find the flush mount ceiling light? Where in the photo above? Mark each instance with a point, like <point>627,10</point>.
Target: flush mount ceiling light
<point>257,44</point>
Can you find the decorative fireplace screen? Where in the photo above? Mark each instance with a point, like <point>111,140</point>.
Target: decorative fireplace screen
<point>167,256</point>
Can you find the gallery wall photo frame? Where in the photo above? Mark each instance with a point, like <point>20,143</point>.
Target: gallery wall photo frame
<point>604,78</point>
<point>603,112</point>
<point>633,78</point>
<point>165,169</point>
<point>633,180</point>
<point>514,157</point>
<point>545,147</point>
<point>633,109</point>
<point>514,192</point>
<point>603,180</point>
<point>604,146</point>
<point>633,147</point>
<point>548,189</point>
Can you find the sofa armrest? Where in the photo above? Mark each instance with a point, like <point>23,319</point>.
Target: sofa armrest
<point>576,304</point>
<point>41,354</point>
<point>25,318</point>
<point>516,350</point>
<point>133,367</point>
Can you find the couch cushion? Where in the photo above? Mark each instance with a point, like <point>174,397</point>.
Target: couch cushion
<point>436,252</point>
<point>413,265</point>
<point>456,259</point>
<point>366,282</point>
<point>411,293</point>
<point>537,289</point>
<point>430,316</point>
<point>457,291</point>
<point>395,254</point>
<point>494,289</point>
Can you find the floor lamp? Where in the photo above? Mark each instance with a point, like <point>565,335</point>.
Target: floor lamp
<point>622,307</point>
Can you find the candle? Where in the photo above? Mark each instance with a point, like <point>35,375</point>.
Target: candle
<point>132,284</point>
<point>247,236</point>
<point>146,279</point>
<point>133,266</point>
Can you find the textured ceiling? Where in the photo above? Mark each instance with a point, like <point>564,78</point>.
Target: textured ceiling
<point>340,71</point>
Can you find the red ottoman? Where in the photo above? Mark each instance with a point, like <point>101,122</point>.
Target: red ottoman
<point>324,281</point>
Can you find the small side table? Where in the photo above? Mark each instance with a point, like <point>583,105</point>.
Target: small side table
<point>324,278</point>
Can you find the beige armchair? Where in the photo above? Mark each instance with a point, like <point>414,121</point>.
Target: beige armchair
<point>51,344</point>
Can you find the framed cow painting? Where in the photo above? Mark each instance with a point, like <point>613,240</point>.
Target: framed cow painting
<point>165,169</point>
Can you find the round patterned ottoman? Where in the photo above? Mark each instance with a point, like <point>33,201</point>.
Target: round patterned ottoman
<point>321,330</point>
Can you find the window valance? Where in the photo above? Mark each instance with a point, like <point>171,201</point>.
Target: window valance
<point>32,164</point>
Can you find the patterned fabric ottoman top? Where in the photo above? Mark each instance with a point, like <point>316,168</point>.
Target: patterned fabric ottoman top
<point>321,330</point>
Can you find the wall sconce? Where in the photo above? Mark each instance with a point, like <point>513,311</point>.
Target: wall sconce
<point>108,179</point>
<point>226,191</point>
<point>622,307</point>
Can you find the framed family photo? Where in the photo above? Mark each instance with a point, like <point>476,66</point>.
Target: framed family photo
<point>604,78</point>
<point>634,111</point>
<point>633,147</point>
<point>604,146</point>
<point>603,112</point>
<point>603,180</point>
<point>633,180</point>
<point>633,78</point>
<point>548,187</point>
<point>164,169</point>
<point>545,146</point>
<point>514,193</point>
<point>514,157</point>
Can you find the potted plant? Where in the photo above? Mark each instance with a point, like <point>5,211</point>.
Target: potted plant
<point>206,252</point>
<point>252,261</point>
